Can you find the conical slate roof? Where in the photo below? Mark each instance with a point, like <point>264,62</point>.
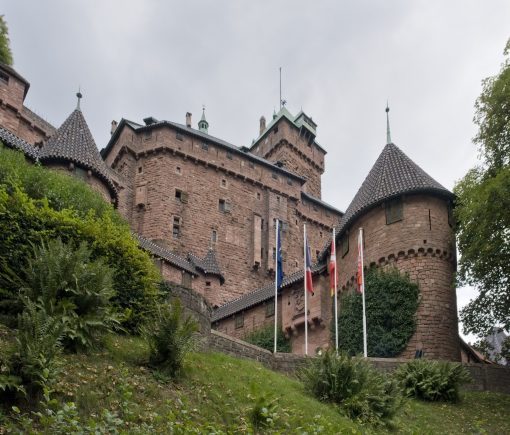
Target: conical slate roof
<point>208,264</point>
<point>74,143</point>
<point>393,174</point>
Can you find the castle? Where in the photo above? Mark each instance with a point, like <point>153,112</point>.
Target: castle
<point>206,210</point>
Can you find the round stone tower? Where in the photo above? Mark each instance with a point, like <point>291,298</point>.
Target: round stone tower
<point>406,221</point>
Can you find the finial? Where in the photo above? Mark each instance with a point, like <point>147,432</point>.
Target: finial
<point>388,134</point>
<point>79,96</point>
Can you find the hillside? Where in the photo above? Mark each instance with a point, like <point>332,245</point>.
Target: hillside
<point>218,394</point>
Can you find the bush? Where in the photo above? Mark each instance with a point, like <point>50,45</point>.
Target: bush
<point>35,360</point>
<point>361,391</point>
<point>171,336</point>
<point>38,204</point>
<point>70,286</point>
<point>432,380</point>
<point>264,338</point>
<point>391,303</point>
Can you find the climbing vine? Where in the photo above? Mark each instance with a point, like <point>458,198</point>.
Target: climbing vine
<point>391,302</point>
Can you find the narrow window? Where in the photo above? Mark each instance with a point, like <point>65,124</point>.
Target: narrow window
<point>278,199</point>
<point>289,181</point>
<point>258,196</point>
<point>229,155</point>
<point>317,252</point>
<point>178,194</point>
<point>223,183</point>
<point>270,309</point>
<point>221,205</point>
<point>140,169</point>
<point>214,236</point>
<point>178,170</point>
<point>176,228</point>
<point>147,134</point>
<point>320,234</point>
<point>186,280</point>
<point>274,176</point>
<point>393,211</point>
<point>178,136</point>
<point>239,320</point>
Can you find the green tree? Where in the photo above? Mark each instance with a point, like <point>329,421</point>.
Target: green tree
<point>5,49</point>
<point>483,210</point>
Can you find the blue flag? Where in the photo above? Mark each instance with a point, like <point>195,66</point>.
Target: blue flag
<point>279,260</point>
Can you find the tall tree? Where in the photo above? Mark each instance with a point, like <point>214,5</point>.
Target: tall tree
<point>5,49</point>
<point>483,210</point>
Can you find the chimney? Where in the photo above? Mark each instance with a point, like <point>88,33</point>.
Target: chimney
<point>114,126</point>
<point>262,125</point>
<point>188,119</point>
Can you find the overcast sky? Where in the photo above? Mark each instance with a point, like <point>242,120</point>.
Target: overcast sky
<point>341,61</point>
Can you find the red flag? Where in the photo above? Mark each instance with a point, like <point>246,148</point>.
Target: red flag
<point>332,268</point>
<point>308,271</point>
<point>360,267</point>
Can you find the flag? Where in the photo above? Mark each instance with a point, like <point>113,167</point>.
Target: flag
<point>360,264</point>
<point>332,267</point>
<point>279,260</point>
<point>308,271</point>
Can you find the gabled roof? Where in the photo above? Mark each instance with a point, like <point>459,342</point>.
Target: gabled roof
<point>208,265</point>
<point>393,174</point>
<point>260,295</point>
<point>13,141</point>
<point>73,142</point>
<point>165,254</point>
<point>244,151</point>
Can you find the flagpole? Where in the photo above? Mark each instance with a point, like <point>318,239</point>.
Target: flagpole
<point>363,294</point>
<point>276,288</point>
<point>306,290</point>
<point>336,295</point>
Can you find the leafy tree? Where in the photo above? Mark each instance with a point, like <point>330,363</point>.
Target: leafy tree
<point>5,49</point>
<point>483,210</point>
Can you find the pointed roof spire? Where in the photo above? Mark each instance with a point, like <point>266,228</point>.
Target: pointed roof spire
<point>203,125</point>
<point>388,134</point>
<point>79,96</point>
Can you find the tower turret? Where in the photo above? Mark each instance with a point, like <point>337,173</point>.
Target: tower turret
<point>203,125</point>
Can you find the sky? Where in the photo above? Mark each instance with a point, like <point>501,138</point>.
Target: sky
<point>341,62</point>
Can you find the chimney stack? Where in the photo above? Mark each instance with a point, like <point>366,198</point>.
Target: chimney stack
<point>262,125</point>
<point>188,119</point>
<point>114,126</point>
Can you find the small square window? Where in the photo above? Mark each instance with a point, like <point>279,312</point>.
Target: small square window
<point>205,147</point>
<point>224,206</point>
<point>178,170</point>
<point>178,194</point>
<point>251,165</point>
<point>270,309</point>
<point>147,134</point>
<point>393,211</point>
<point>289,181</point>
<point>179,136</point>
<point>208,283</point>
<point>229,155</point>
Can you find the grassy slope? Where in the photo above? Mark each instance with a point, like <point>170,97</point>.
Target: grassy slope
<point>221,391</point>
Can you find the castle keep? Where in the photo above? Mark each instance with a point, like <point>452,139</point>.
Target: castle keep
<point>206,210</point>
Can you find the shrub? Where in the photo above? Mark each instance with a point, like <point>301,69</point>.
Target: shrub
<point>264,338</point>
<point>37,204</point>
<point>35,360</point>
<point>361,391</point>
<point>391,303</point>
<point>170,335</point>
<point>73,288</point>
<point>432,380</point>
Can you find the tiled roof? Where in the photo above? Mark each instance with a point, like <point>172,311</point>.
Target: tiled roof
<point>73,142</point>
<point>15,142</point>
<point>165,254</point>
<point>311,198</point>
<point>207,265</point>
<point>393,174</point>
<point>243,150</point>
<point>260,295</point>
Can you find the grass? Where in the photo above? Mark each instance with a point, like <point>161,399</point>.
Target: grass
<point>220,392</point>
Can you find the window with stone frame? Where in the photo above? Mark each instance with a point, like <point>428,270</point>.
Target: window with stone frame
<point>181,196</point>
<point>270,309</point>
<point>214,236</point>
<point>176,227</point>
<point>186,279</point>
<point>239,320</point>
<point>224,206</point>
<point>394,211</point>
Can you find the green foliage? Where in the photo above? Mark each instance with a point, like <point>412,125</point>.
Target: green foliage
<point>171,335</point>
<point>391,302</point>
<point>432,380</point>
<point>483,201</point>
<point>351,382</point>
<point>35,360</point>
<point>5,49</point>
<point>264,414</point>
<point>69,285</point>
<point>264,338</point>
<point>74,213</point>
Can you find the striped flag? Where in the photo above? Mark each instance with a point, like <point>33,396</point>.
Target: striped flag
<point>332,267</point>
<point>308,271</point>
<point>360,264</point>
